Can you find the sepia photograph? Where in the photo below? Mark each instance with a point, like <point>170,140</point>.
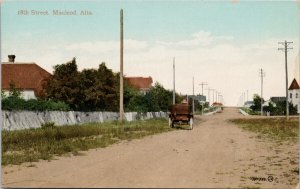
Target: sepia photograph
<point>150,94</point>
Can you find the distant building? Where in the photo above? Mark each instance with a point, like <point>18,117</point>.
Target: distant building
<point>248,104</point>
<point>27,77</point>
<point>293,93</point>
<point>278,99</point>
<point>143,84</point>
<point>217,104</point>
<point>198,97</point>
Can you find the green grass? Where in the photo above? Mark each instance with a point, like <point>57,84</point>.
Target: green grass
<point>44,143</point>
<point>275,128</point>
<point>249,111</point>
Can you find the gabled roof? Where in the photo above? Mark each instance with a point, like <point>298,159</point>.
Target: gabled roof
<point>277,99</point>
<point>217,104</point>
<point>24,75</point>
<point>294,85</point>
<point>139,82</point>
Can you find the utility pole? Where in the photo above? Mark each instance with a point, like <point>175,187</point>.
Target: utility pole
<point>208,94</point>
<point>193,98</point>
<point>285,49</point>
<point>247,95</point>
<point>121,67</point>
<point>202,83</point>
<point>173,80</point>
<point>261,74</point>
<point>213,90</point>
<point>244,98</point>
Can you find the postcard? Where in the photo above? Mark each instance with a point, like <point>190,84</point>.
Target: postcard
<point>150,94</point>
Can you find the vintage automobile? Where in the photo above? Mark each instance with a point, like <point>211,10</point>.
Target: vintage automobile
<point>181,114</point>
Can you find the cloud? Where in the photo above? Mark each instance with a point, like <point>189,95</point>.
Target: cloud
<point>107,46</point>
<point>201,38</point>
<point>227,65</point>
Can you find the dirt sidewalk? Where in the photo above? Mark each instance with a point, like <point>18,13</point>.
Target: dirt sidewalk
<point>215,153</point>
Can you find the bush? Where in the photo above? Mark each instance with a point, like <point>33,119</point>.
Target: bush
<point>48,125</point>
<point>14,103</point>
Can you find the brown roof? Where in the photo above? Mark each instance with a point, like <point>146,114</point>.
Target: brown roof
<point>217,104</point>
<point>139,82</point>
<point>24,75</point>
<point>294,85</point>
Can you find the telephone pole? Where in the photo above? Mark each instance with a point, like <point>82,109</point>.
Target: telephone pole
<point>261,74</point>
<point>285,49</point>
<point>202,83</point>
<point>193,98</point>
<point>173,80</point>
<point>121,67</point>
<point>208,94</point>
<point>213,90</point>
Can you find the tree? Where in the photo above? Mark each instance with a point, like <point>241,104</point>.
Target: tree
<point>3,95</point>
<point>88,90</point>
<point>280,108</point>
<point>65,85</point>
<point>13,91</point>
<point>159,99</point>
<point>134,100</point>
<point>99,89</point>
<point>257,103</point>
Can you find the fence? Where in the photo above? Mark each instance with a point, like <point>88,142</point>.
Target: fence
<point>15,120</point>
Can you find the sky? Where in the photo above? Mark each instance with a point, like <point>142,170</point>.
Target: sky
<point>223,43</point>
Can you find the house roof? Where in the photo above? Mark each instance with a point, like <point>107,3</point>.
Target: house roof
<point>217,104</point>
<point>25,76</point>
<point>139,82</point>
<point>277,99</point>
<point>294,85</point>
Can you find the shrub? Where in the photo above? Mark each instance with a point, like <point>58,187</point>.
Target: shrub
<point>48,125</point>
<point>15,103</point>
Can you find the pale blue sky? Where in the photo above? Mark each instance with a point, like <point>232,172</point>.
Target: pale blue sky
<point>155,20</point>
<point>219,42</point>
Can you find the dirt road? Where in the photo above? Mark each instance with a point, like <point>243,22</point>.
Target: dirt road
<point>215,154</point>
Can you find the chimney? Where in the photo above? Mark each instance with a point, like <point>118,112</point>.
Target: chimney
<point>11,58</point>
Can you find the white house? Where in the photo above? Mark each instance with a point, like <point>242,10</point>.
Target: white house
<point>294,92</point>
<point>27,77</point>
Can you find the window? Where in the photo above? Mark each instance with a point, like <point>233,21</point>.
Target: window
<point>291,95</point>
<point>296,95</point>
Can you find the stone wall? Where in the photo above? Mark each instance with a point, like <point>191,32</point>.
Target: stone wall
<point>213,112</point>
<point>243,112</point>
<point>15,120</point>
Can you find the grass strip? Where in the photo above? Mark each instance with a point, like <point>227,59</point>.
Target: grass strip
<point>30,145</point>
<point>275,128</point>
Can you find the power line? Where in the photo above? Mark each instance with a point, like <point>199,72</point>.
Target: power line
<point>203,83</point>
<point>208,89</point>
<point>285,49</point>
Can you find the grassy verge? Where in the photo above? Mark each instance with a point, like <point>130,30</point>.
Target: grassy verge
<point>43,143</point>
<point>249,111</point>
<point>276,128</point>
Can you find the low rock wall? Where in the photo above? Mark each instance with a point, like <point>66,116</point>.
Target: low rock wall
<point>15,120</point>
